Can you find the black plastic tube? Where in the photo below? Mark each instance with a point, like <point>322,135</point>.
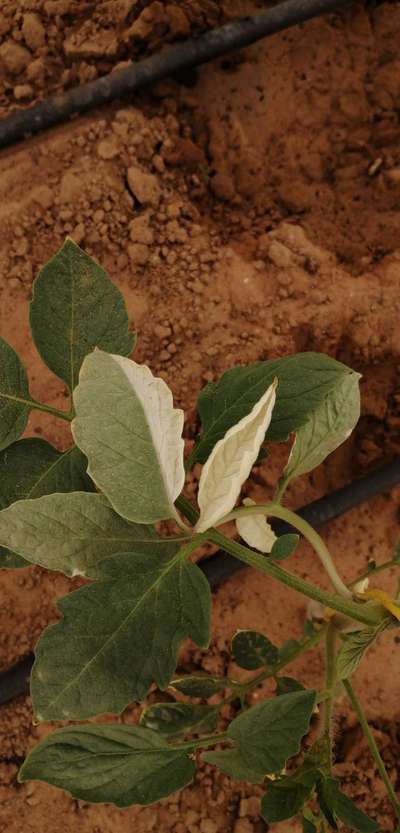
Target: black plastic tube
<point>221,566</point>
<point>182,56</point>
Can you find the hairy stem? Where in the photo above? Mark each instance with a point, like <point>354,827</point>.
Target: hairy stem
<point>274,510</point>
<point>330,680</point>
<point>373,747</point>
<point>373,571</point>
<point>48,409</point>
<point>209,740</point>
<point>367,614</point>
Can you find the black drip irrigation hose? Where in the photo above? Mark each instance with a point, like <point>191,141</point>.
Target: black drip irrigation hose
<point>221,566</point>
<point>168,62</point>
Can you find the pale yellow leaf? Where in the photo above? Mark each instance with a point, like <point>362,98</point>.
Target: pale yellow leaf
<point>231,461</point>
<point>255,530</point>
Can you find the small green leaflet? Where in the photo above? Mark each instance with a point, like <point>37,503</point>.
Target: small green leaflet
<point>121,765</point>
<point>180,718</point>
<point>284,546</point>
<point>252,650</point>
<point>15,400</point>
<point>270,732</point>
<point>32,468</point>
<point>231,763</point>
<point>132,436</point>
<point>283,800</point>
<point>73,533</point>
<point>305,380</point>
<point>308,826</point>
<point>327,427</point>
<point>285,685</point>
<point>335,803</point>
<point>75,308</point>
<point>119,635</point>
<point>199,685</point>
<point>355,644</point>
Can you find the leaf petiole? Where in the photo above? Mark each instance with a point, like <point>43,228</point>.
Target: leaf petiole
<point>275,510</point>
<point>373,747</point>
<point>48,409</point>
<point>200,743</point>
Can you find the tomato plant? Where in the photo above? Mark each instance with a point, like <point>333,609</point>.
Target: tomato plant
<point>93,511</point>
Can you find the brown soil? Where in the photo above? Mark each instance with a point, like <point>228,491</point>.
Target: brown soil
<point>248,211</point>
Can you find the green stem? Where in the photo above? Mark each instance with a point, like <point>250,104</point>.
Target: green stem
<point>274,510</point>
<point>330,681</point>
<point>209,740</point>
<point>373,747</point>
<point>48,409</point>
<point>184,506</point>
<point>375,570</point>
<point>368,615</point>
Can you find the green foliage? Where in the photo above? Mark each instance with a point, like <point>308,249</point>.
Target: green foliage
<point>91,510</point>
<point>133,622</point>
<point>285,685</point>
<point>230,761</point>
<point>199,685</point>
<point>32,468</point>
<point>283,800</point>
<point>73,533</point>
<point>327,427</point>
<point>76,308</point>
<point>15,401</point>
<point>336,805</point>
<point>284,546</point>
<point>304,381</point>
<point>355,645</point>
<point>253,650</point>
<point>270,732</point>
<point>120,765</point>
<point>124,441</point>
<point>180,718</point>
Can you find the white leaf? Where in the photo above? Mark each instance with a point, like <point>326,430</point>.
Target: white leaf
<point>255,530</point>
<point>131,433</point>
<point>231,461</point>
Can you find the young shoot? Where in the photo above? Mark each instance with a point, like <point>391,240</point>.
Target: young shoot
<point>94,509</point>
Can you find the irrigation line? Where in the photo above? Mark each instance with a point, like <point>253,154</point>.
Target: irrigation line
<point>221,566</point>
<point>139,75</point>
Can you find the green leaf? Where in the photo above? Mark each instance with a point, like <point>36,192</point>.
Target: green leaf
<point>15,401</point>
<point>121,765</point>
<point>132,436</point>
<point>339,804</point>
<point>31,468</point>
<point>284,546</point>
<point>355,644</point>
<point>327,427</point>
<point>270,732</point>
<point>75,308</point>
<point>288,649</point>
<point>287,684</point>
<point>308,826</point>
<point>305,380</point>
<point>199,685</point>
<point>252,650</point>
<point>73,533</point>
<point>118,635</point>
<point>283,800</point>
<point>231,763</point>
<point>180,718</point>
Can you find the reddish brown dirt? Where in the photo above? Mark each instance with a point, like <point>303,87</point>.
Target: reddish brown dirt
<point>247,214</point>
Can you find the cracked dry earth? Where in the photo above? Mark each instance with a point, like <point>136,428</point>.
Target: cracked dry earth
<point>250,210</point>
